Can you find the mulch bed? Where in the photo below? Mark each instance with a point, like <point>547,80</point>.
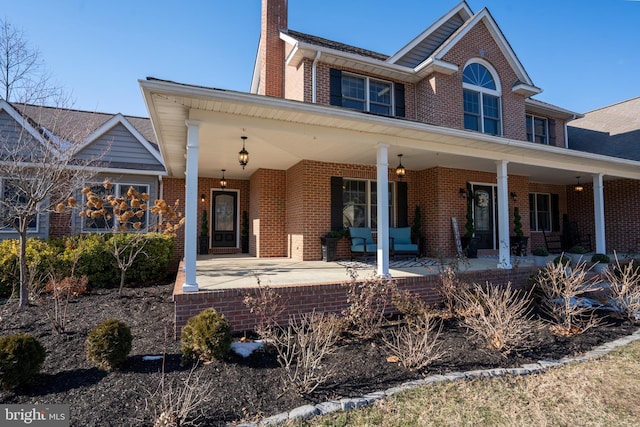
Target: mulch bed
<point>238,388</point>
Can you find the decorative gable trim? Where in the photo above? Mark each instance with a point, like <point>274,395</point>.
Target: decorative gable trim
<point>24,122</point>
<point>109,124</point>
<point>485,16</point>
<point>462,8</point>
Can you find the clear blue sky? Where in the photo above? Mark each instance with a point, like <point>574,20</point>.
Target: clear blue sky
<point>583,54</point>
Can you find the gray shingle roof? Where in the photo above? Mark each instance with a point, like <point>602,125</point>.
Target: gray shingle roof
<point>319,41</point>
<point>613,131</point>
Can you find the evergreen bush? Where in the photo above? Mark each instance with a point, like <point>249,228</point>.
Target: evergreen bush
<point>21,357</point>
<point>206,336</point>
<point>109,344</point>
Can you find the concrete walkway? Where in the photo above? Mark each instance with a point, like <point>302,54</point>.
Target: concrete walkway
<point>239,271</point>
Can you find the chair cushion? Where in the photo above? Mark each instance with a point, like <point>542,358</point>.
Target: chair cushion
<point>401,236</point>
<point>357,235</point>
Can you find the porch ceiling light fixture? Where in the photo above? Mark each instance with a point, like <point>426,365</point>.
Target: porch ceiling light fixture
<point>223,182</point>
<point>400,170</point>
<point>243,155</point>
<point>202,198</point>
<point>578,187</point>
<point>514,196</point>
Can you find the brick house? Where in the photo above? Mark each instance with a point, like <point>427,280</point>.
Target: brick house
<point>326,125</point>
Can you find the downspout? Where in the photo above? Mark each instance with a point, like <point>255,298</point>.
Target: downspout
<point>566,131</point>
<point>161,190</point>
<point>314,80</point>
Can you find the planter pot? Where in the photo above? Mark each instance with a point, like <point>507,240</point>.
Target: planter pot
<point>244,244</point>
<point>540,261</point>
<point>203,245</point>
<point>329,248</point>
<point>519,245</point>
<point>470,246</point>
<point>576,258</point>
<point>600,267</point>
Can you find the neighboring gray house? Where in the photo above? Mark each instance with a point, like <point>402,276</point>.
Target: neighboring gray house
<point>125,145</point>
<point>613,130</point>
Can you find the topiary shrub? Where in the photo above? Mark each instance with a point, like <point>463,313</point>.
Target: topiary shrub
<point>540,251</point>
<point>21,357</point>
<point>108,344</point>
<point>206,336</point>
<point>562,259</point>
<point>601,258</point>
<point>577,249</point>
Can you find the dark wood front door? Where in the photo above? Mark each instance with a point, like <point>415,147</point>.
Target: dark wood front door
<point>484,215</point>
<point>224,219</point>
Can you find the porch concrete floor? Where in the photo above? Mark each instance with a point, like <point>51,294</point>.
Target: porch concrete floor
<point>241,271</point>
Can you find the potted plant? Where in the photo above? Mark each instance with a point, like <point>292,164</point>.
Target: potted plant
<point>203,240</point>
<point>519,240</point>
<point>600,262</point>
<point>565,261</point>
<point>330,244</point>
<point>540,255</point>
<point>469,241</point>
<point>244,233</point>
<point>576,253</point>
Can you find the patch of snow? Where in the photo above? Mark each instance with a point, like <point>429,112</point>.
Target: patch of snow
<point>245,349</point>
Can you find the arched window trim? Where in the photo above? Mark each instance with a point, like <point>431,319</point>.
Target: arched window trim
<point>481,91</point>
<point>492,71</point>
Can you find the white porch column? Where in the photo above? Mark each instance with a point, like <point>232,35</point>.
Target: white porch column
<point>191,207</point>
<point>383,209</point>
<point>598,213</point>
<point>504,253</point>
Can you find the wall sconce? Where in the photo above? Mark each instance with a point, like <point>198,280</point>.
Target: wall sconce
<point>514,196</point>
<point>223,182</point>
<point>463,193</point>
<point>243,155</point>
<point>578,187</point>
<point>202,198</point>
<point>400,170</point>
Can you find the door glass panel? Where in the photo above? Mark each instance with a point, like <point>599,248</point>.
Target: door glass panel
<point>224,210</point>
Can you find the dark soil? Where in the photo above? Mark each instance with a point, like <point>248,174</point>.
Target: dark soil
<point>239,389</point>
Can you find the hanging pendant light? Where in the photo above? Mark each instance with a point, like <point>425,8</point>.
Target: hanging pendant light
<point>223,182</point>
<point>243,155</point>
<point>578,186</point>
<point>400,170</point>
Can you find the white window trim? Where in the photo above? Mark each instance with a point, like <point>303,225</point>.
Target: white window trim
<point>367,83</point>
<point>7,229</point>
<point>534,210</point>
<point>117,193</point>
<point>482,91</point>
<point>532,117</point>
<point>394,202</point>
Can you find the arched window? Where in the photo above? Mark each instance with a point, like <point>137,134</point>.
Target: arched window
<point>481,99</point>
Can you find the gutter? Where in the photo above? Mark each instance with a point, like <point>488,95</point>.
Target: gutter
<point>314,82</point>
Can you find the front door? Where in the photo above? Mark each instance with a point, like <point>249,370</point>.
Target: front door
<point>484,215</point>
<point>224,219</point>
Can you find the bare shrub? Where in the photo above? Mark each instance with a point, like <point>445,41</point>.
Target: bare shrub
<point>450,288</point>
<point>498,316</point>
<point>410,305</point>
<point>561,290</point>
<point>368,300</point>
<point>267,306</point>
<point>61,292</point>
<point>416,344</point>
<point>625,289</point>
<point>302,349</point>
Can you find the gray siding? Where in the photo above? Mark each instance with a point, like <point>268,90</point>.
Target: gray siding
<point>123,151</point>
<point>11,133</point>
<point>426,47</point>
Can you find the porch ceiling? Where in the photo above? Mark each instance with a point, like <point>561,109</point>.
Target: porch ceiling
<point>282,132</point>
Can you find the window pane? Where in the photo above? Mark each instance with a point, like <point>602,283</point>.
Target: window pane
<point>471,102</point>
<point>353,92</point>
<point>354,203</point>
<point>380,97</point>
<point>17,197</point>
<point>478,75</point>
<point>95,219</point>
<point>540,128</point>
<point>529,129</point>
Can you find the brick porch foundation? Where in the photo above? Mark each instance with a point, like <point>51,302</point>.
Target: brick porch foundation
<point>326,297</point>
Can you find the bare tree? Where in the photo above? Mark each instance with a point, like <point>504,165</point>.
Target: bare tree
<point>23,76</point>
<point>38,170</point>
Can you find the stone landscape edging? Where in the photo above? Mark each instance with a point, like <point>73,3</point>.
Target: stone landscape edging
<point>309,411</point>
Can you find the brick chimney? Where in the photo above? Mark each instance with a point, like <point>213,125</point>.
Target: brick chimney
<point>271,49</point>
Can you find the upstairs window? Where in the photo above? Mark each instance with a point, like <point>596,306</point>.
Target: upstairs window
<point>366,94</point>
<point>481,93</point>
<point>537,129</point>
